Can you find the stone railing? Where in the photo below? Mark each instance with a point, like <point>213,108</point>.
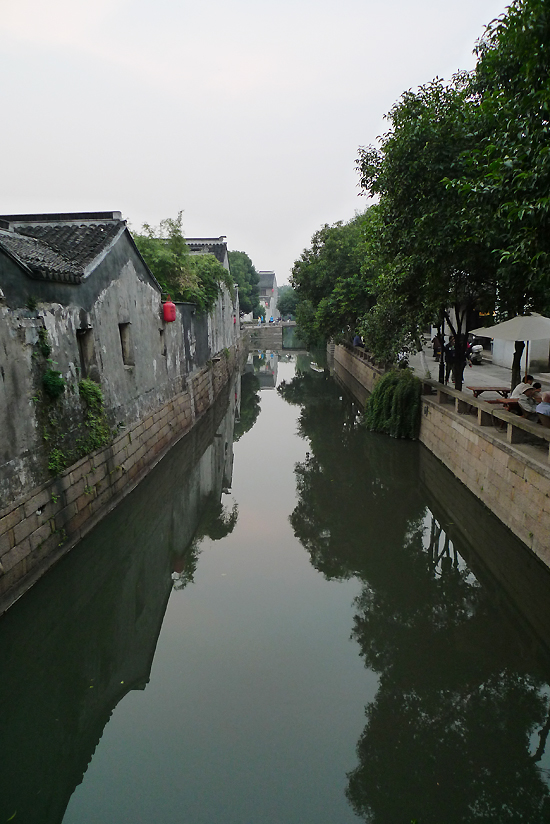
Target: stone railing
<point>518,430</point>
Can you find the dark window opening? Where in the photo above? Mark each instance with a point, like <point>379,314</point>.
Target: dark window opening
<point>126,344</point>
<point>85,339</point>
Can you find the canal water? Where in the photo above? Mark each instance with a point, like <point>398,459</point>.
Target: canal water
<point>285,623</point>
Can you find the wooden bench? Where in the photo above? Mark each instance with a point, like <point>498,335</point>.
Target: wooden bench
<point>502,390</point>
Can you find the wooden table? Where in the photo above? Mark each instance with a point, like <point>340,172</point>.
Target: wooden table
<point>502,390</point>
<point>508,403</point>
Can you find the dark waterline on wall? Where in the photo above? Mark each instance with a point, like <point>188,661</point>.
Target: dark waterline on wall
<point>300,628</point>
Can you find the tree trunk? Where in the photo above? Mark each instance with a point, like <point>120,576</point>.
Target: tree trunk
<point>461,339</point>
<point>441,338</point>
<point>516,363</point>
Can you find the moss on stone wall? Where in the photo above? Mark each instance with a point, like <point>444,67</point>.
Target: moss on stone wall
<point>69,429</point>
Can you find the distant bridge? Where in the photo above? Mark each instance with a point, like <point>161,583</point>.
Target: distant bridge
<point>274,335</point>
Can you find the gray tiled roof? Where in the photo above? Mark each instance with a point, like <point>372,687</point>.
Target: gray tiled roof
<point>59,250</point>
<point>267,280</point>
<point>44,263</point>
<point>216,246</point>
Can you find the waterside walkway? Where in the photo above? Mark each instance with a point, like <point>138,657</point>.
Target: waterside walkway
<point>485,374</point>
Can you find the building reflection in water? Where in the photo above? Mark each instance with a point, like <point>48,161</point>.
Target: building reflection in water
<point>96,618</point>
<point>263,364</point>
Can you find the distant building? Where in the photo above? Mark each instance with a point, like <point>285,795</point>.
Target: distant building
<point>216,246</point>
<point>269,293</point>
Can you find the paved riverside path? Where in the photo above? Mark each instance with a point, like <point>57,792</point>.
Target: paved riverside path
<point>485,374</point>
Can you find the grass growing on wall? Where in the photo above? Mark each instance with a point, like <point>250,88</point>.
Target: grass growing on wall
<point>53,384</point>
<point>69,430</point>
<point>394,405</point>
<point>98,432</point>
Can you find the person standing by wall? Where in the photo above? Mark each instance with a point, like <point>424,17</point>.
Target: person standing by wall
<point>449,353</point>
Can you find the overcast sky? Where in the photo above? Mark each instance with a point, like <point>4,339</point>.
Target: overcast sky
<point>245,114</point>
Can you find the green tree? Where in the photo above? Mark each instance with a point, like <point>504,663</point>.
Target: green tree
<point>512,160</point>
<point>246,277</point>
<point>508,170</point>
<point>287,301</point>
<point>437,263</point>
<point>332,282</point>
<point>186,277</point>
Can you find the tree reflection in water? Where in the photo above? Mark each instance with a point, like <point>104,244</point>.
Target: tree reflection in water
<point>461,692</point>
<point>250,405</point>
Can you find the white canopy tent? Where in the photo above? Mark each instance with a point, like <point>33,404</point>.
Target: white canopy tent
<point>522,327</point>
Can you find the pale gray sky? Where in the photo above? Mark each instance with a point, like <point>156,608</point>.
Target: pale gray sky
<point>246,115</point>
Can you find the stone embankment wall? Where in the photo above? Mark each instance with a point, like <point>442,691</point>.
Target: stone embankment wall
<point>363,372</point>
<point>44,523</point>
<point>512,480</point>
<point>483,449</point>
<point>487,545</point>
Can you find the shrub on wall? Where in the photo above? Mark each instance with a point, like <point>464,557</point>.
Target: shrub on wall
<point>98,432</point>
<point>53,383</point>
<point>394,405</point>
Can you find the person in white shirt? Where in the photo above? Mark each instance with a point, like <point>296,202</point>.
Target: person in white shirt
<point>521,387</point>
<point>528,401</point>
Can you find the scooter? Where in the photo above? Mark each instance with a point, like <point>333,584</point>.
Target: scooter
<point>476,354</point>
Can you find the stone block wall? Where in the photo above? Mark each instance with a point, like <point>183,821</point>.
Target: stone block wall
<point>512,485</point>
<point>363,374</point>
<point>487,545</point>
<point>41,526</point>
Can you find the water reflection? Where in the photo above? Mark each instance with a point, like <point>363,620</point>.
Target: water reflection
<point>249,406</point>
<point>86,634</point>
<point>263,364</point>
<point>459,725</point>
<point>256,706</point>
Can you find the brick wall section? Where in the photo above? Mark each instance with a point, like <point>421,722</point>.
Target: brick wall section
<point>37,530</point>
<point>515,487</point>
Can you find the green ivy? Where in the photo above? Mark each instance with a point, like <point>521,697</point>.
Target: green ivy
<point>186,277</point>
<point>53,383</point>
<point>394,405</point>
<point>57,461</point>
<point>98,432</point>
<point>43,345</point>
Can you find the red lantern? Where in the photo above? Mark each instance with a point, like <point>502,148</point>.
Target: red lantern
<point>169,311</point>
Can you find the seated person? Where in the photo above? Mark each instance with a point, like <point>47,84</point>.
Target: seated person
<point>521,387</point>
<point>528,401</point>
<point>543,410</point>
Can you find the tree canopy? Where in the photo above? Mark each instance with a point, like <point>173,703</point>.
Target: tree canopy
<point>287,301</point>
<point>186,277</point>
<point>246,277</point>
<point>509,167</point>
<point>331,280</point>
<point>462,182</point>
